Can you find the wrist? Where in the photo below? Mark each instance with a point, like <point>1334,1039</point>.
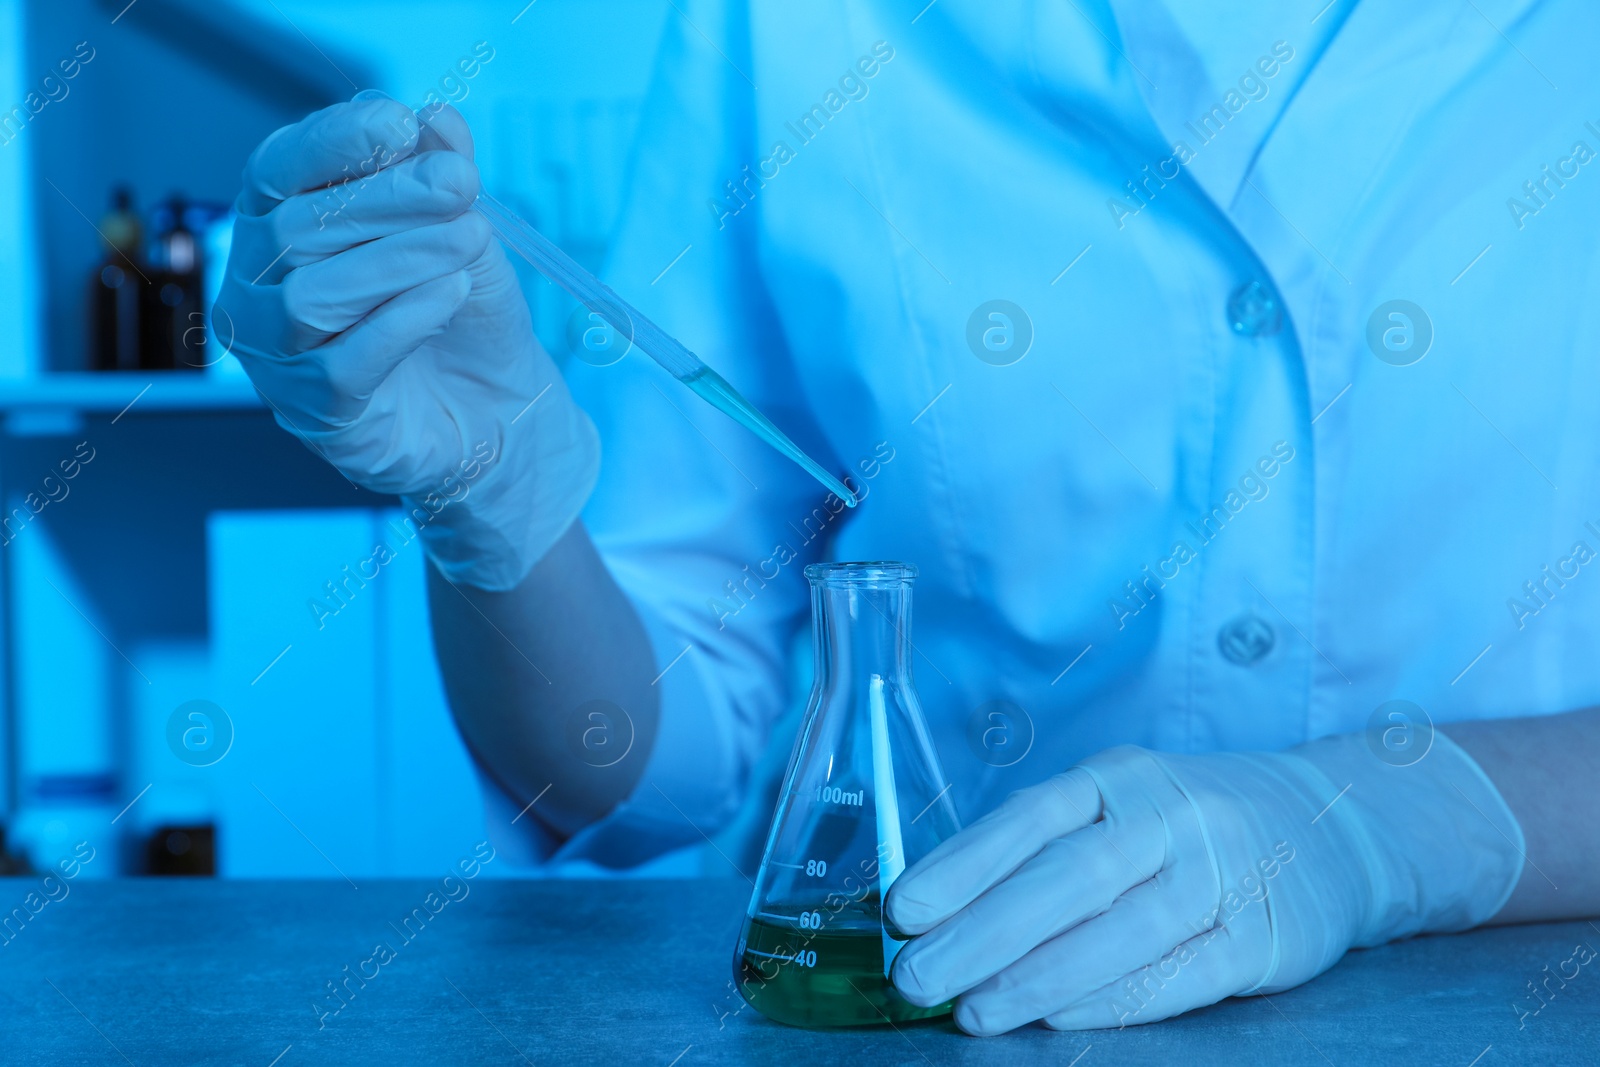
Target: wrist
<point>512,498</point>
<point>1439,846</point>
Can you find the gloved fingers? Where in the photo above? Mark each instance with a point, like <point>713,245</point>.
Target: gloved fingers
<point>427,189</point>
<point>1072,880</point>
<point>1139,929</point>
<point>332,145</point>
<point>328,297</point>
<point>442,127</point>
<point>445,129</point>
<point>955,873</point>
<point>1203,970</point>
<point>334,383</point>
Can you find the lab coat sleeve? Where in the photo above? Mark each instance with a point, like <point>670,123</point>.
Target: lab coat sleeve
<point>703,526</point>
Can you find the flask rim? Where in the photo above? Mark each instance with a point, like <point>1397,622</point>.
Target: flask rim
<point>873,572</point>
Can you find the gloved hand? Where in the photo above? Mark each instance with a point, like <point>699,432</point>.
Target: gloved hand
<point>1140,885</point>
<point>385,329</point>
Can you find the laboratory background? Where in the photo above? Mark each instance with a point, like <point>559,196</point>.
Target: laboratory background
<point>228,765</point>
<point>179,546</point>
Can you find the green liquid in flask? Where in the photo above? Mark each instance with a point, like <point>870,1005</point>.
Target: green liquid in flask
<point>821,978</point>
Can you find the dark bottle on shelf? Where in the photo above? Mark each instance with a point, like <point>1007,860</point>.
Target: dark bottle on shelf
<point>173,318</point>
<point>117,288</point>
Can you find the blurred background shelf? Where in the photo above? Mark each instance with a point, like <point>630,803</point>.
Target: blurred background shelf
<point>130,392</point>
<point>185,558</point>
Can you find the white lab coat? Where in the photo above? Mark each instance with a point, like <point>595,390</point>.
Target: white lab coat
<point>1168,523</point>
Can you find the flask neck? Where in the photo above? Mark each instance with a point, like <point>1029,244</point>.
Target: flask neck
<point>861,630</point>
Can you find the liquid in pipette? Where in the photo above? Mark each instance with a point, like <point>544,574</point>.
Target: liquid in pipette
<point>714,389</point>
<point>656,343</point>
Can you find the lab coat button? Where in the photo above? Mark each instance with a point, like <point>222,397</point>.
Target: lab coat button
<point>1246,640</point>
<point>1253,310</point>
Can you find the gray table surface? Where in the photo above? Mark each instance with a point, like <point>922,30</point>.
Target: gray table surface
<point>159,972</point>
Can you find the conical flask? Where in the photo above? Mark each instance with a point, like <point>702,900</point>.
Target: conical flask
<point>863,799</point>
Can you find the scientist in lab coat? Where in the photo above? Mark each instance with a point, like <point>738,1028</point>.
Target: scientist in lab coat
<point>1227,370</point>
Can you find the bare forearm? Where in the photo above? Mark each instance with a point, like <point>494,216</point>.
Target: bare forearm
<point>1546,767</point>
<point>537,677</point>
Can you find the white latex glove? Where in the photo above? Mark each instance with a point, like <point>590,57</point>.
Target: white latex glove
<point>385,328</point>
<point>1140,885</point>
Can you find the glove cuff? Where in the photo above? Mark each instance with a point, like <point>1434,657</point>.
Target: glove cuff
<point>1440,848</point>
<point>536,485</point>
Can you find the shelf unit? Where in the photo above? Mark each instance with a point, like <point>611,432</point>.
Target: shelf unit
<point>193,541</point>
<point>128,392</point>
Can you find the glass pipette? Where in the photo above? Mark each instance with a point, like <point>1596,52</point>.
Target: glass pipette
<point>656,343</point>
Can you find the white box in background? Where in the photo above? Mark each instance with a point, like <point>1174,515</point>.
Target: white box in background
<point>345,763</point>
